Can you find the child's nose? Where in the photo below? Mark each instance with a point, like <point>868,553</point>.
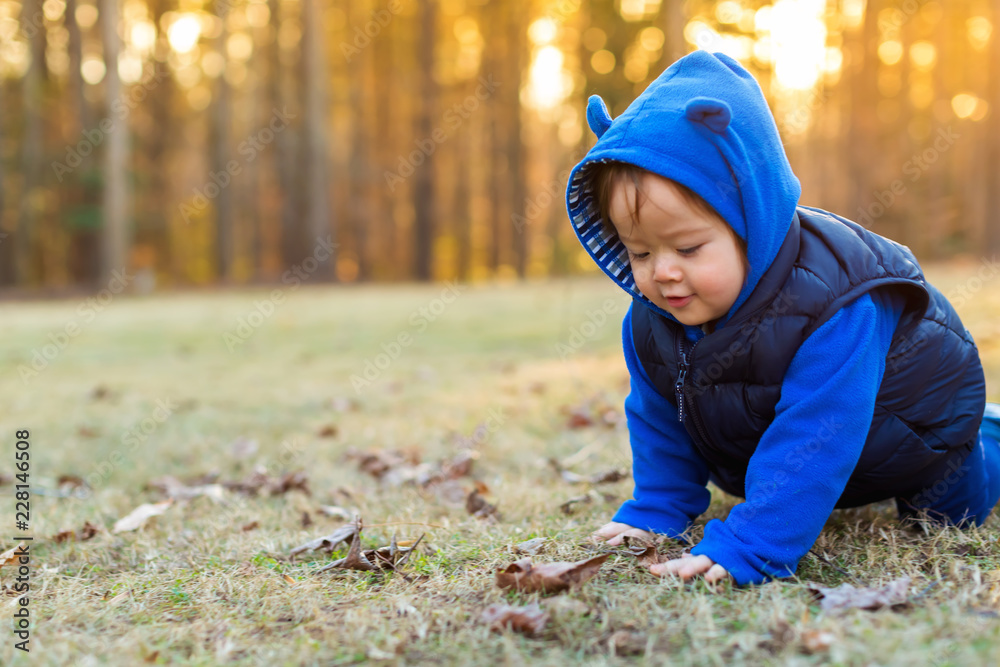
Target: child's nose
<point>666,269</point>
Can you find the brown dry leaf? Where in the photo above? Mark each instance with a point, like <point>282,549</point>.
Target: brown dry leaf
<point>817,641</point>
<point>140,515</point>
<point>259,481</point>
<point>328,431</point>
<point>85,533</point>
<point>87,432</point>
<point>99,392</point>
<point>604,477</point>
<point>591,496</point>
<point>70,482</point>
<point>847,596</point>
<point>626,642</point>
<point>548,577</point>
<point>579,420</point>
<point>306,520</point>
<point>644,550</point>
<point>477,506</point>
<point>530,547</point>
<point>529,620</point>
<point>253,525</point>
<point>12,554</point>
<point>288,580</point>
<point>328,542</point>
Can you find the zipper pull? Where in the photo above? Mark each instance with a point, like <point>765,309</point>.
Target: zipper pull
<point>679,386</point>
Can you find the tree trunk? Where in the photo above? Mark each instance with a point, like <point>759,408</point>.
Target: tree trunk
<point>283,95</point>
<point>224,245</point>
<point>317,149</point>
<point>515,147</point>
<point>992,173</point>
<point>424,193</point>
<point>33,149</point>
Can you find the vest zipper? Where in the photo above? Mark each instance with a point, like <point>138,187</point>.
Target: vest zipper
<point>679,388</point>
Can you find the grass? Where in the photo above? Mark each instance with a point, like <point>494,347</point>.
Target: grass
<point>192,588</point>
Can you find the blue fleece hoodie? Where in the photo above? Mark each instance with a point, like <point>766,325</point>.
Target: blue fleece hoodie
<point>705,123</point>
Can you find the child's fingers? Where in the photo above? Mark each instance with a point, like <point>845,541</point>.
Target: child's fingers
<point>716,573</point>
<point>631,532</point>
<point>685,567</point>
<point>610,530</point>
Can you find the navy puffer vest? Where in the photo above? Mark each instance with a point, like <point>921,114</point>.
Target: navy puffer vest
<point>929,405</point>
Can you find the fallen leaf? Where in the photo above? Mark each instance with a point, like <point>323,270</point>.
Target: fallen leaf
<point>85,533</point>
<point>140,515</point>
<point>579,420</point>
<point>626,642</point>
<point>477,506</point>
<point>306,520</point>
<point>99,392</point>
<point>70,482</point>
<point>178,490</point>
<point>530,547</point>
<point>593,495</point>
<point>288,580</point>
<point>529,620</point>
<point>87,432</point>
<point>847,596</point>
<point>328,542</point>
<point>644,550</point>
<point>817,641</point>
<point>12,554</point>
<point>548,577</point>
<point>328,431</point>
<point>605,477</point>
<point>259,481</point>
<point>253,525</point>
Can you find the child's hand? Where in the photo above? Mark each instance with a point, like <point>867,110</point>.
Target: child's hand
<point>688,566</point>
<point>614,532</point>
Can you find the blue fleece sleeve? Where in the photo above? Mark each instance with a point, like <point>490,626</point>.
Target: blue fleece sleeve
<point>805,458</point>
<point>670,476</point>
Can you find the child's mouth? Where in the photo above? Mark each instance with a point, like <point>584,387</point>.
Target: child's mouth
<point>678,302</point>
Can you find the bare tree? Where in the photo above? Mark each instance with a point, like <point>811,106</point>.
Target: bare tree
<point>317,149</point>
<point>424,203</point>
<point>220,146</point>
<point>115,205</point>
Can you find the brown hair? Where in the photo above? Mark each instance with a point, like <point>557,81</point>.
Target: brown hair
<point>601,178</point>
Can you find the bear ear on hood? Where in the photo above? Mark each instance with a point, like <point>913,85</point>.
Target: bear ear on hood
<point>598,117</point>
<point>713,114</point>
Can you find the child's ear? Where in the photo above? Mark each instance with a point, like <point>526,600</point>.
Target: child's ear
<point>597,115</point>
<point>713,114</point>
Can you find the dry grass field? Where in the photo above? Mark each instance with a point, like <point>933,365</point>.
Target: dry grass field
<point>134,389</point>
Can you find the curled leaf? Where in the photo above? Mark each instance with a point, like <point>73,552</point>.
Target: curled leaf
<point>548,577</point>
<point>529,620</point>
<point>328,542</point>
<point>847,596</point>
<point>140,515</point>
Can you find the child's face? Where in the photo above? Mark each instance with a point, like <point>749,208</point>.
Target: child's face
<point>684,260</point>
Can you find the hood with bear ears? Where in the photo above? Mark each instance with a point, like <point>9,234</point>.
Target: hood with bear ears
<point>704,123</point>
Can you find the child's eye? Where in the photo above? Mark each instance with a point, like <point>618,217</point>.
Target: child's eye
<point>688,251</point>
<point>642,255</point>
